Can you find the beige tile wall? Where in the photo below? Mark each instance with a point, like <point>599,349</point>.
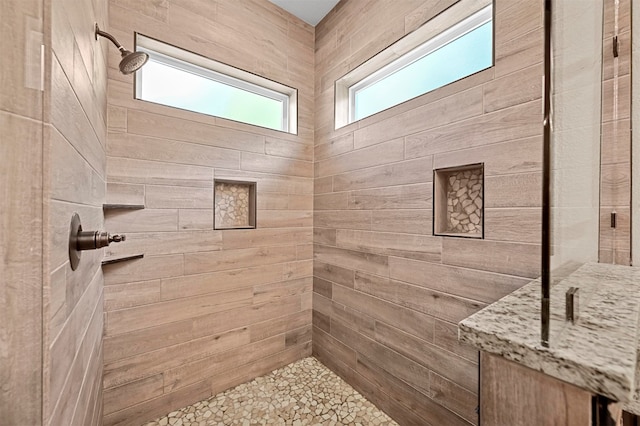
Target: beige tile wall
<point>75,136</point>
<point>53,163</point>
<point>635,141</point>
<point>205,309</point>
<point>21,215</point>
<point>615,179</point>
<point>387,294</point>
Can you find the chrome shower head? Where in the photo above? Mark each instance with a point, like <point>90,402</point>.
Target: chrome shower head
<point>131,61</point>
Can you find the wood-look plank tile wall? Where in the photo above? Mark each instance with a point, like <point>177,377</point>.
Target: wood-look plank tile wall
<point>75,135</point>
<point>615,172</point>
<point>205,309</point>
<point>21,213</point>
<point>388,294</point>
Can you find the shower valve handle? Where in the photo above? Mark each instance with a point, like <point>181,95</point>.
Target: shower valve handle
<point>116,238</point>
<point>80,240</point>
<point>91,240</point>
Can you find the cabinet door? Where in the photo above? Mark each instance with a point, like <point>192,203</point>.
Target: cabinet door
<point>513,395</point>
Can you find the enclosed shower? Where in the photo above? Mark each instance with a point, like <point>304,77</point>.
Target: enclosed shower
<point>164,264</point>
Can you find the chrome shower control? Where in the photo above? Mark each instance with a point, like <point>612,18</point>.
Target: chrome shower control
<point>80,240</point>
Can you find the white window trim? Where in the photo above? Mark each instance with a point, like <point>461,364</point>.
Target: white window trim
<point>457,20</point>
<point>460,29</point>
<point>213,70</point>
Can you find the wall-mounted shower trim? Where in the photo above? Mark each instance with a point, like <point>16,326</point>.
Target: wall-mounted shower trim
<point>131,61</point>
<point>80,240</point>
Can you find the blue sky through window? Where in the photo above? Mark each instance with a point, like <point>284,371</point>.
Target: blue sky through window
<point>466,55</point>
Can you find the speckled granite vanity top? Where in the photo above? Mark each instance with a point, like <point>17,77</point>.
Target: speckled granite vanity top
<point>598,353</point>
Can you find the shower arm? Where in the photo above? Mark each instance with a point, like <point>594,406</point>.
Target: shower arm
<point>99,32</point>
<point>131,61</point>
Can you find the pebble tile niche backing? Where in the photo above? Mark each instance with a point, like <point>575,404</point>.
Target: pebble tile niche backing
<point>234,205</point>
<point>463,192</point>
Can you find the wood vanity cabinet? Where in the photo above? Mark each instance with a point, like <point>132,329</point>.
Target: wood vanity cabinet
<point>513,395</point>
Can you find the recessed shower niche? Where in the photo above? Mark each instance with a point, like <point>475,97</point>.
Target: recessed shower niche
<point>234,204</point>
<point>458,201</point>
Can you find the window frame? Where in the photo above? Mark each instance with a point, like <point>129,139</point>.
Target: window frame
<point>458,20</point>
<point>219,72</point>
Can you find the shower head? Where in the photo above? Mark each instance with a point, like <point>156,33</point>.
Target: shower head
<point>131,61</point>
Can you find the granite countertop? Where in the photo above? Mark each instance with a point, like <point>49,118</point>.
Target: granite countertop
<point>598,353</point>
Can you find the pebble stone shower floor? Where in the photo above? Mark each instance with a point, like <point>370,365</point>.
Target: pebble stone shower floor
<point>302,393</point>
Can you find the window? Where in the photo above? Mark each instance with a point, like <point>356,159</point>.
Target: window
<point>465,48</point>
<point>181,79</point>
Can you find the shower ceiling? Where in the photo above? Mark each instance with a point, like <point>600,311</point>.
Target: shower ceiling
<point>310,11</point>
